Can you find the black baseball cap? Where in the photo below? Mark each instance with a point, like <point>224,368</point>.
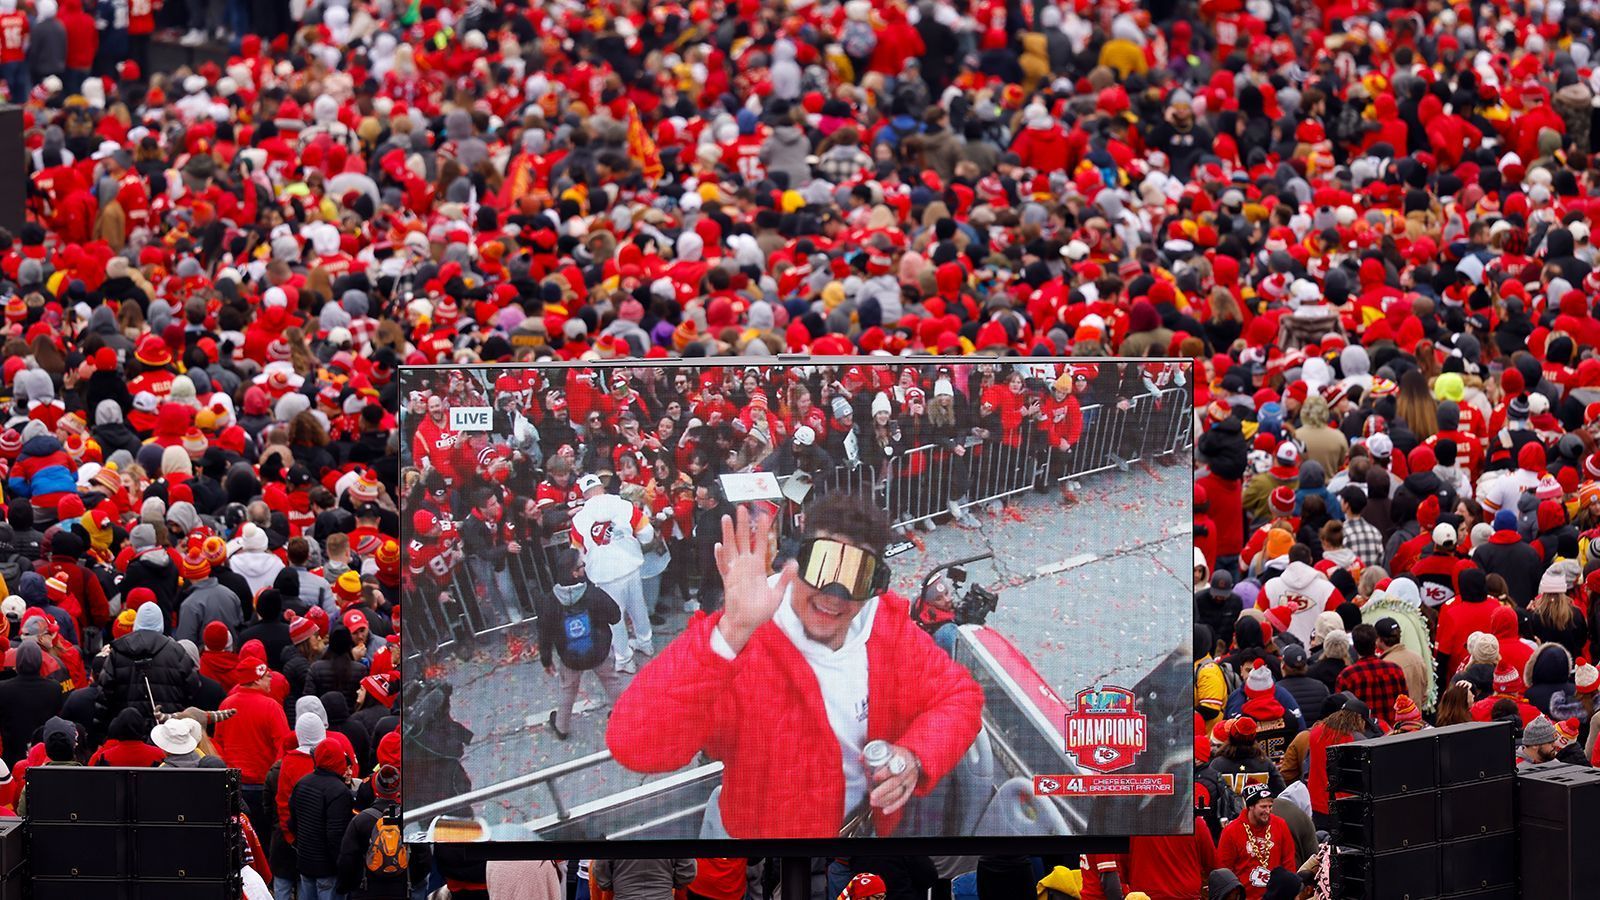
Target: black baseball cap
<point>1294,655</point>
<point>1388,629</point>
<point>369,510</point>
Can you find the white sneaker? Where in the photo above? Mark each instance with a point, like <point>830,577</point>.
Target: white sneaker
<point>927,525</point>
<point>647,647</point>
<point>954,509</point>
<point>627,667</point>
<point>1075,485</point>
<point>691,606</point>
<point>194,37</point>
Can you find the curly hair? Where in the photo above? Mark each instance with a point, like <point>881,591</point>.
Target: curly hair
<point>852,518</point>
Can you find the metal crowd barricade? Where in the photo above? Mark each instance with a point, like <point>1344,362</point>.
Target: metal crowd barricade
<point>470,612</point>
<point>923,481</point>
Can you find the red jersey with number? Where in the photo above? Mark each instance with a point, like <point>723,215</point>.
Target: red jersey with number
<point>1096,866</point>
<point>13,39</point>
<point>437,557</point>
<point>744,156</point>
<point>141,16</point>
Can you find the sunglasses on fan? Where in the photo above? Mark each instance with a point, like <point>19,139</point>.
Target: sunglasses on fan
<point>841,569</point>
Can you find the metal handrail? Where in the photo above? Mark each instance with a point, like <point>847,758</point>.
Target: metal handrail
<point>547,775</point>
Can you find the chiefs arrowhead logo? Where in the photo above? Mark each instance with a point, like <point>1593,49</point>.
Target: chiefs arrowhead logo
<point>600,533</point>
<point>1105,755</point>
<point>1047,786</point>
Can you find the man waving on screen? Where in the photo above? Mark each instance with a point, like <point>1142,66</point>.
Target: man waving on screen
<point>794,677</point>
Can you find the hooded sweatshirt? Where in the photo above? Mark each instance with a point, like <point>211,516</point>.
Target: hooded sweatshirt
<point>1307,592</point>
<point>47,43</point>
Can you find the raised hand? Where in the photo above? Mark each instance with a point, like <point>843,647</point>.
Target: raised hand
<point>742,559</point>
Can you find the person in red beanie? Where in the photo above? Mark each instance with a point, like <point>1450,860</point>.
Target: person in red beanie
<point>251,740</point>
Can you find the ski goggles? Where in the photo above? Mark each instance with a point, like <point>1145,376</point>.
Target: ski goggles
<point>844,570</point>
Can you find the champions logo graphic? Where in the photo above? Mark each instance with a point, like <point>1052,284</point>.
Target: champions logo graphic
<point>1104,732</point>
<point>600,533</point>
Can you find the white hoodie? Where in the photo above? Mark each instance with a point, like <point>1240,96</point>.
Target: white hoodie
<point>1304,590</point>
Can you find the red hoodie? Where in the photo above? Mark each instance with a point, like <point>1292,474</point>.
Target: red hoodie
<point>252,740</point>
<point>136,754</point>
<point>83,38</point>
<point>1043,149</point>
<point>296,765</point>
<point>1513,649</point>
<point>218,665</point>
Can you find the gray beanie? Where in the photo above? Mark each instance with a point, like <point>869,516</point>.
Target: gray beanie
<point>1540,731</point>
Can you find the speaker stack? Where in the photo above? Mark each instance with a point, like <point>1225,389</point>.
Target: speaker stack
<point>1429,814</point>
<point>133,834</point>
<point>1558,819</point>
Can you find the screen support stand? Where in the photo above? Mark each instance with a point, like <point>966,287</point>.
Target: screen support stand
<point>795,875</point>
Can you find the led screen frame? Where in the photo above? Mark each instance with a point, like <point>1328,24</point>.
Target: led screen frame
<point>1011,738</point>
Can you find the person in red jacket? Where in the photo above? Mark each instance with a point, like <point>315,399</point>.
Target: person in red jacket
<point>126,744</point>
<point>83,41</point>
<point>1042,145</point>
<point>252,740</point>
<point>819,653</point>
<point>1257,842</point>
<point>81,593</point>
<point>1170,867</point>
<point>298,762</point>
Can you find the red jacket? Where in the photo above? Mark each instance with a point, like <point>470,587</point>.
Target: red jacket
<point>1226,498</point>
<point>83,38</point>
<point>137,754</point>
<point>296,765</point>
<point>1042,149</point>
<point>922,700</point>
<point>252,740</point>
<point>86,599</point>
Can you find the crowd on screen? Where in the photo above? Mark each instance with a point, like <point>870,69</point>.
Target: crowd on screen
<point>1369,226</point>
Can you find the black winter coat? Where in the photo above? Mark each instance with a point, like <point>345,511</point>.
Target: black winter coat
<point>319,812</point>
<point>174,679</point>
<point>26,703</point>
<point>342,675</point>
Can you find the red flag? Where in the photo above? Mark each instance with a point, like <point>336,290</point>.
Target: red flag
<point>642,147</point>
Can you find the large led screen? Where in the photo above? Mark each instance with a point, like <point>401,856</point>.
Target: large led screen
<point>819,600</point>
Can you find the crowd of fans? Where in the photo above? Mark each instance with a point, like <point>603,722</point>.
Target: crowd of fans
<point>1369,226</point>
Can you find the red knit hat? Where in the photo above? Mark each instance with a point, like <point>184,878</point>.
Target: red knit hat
<point>249,670</point>
<point>216,636</point>
<point>319,617</point>
<point>300,627</point>
<point>193,566</point>
<point>380,688</point>
<point>1406,712</point>
<point>1281,500</point>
